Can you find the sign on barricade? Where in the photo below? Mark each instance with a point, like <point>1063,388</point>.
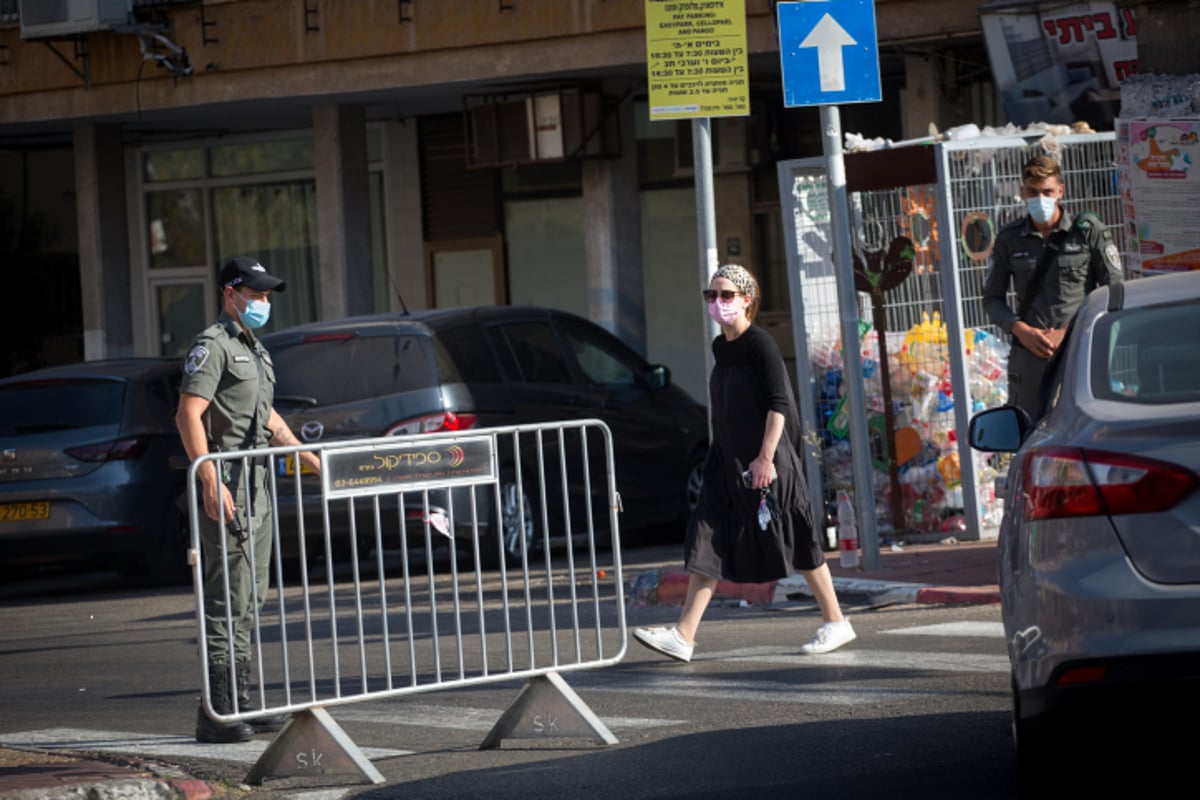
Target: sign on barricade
<point>418,605</point>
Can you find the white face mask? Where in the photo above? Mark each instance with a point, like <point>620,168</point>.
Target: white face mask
<point>1041,208</point>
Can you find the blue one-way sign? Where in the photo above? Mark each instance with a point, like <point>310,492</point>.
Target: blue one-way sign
<point>828,52</point>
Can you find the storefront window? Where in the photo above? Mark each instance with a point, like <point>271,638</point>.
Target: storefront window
<point>277,224</point>
<point>181,316</point>
<point>253,197</point>
<point>173,165</point>
<point>255,158</point>
<point>175,222</point>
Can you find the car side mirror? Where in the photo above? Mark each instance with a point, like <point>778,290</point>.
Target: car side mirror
<point>656,376</point>
<point>999,430</point>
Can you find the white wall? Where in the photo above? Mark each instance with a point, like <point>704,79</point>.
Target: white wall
<point>546,267</point>
<point>546,258</point>
<point>675,329</point>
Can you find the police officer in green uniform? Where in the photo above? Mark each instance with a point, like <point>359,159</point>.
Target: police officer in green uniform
<point>225,404</point>
<point>1051,261</point>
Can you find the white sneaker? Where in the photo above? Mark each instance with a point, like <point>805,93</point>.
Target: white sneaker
<point>666,641</point>
<point>830,637</point>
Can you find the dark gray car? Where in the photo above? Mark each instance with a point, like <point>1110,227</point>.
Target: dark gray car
<point>89,467</point>
<point>450,370</point>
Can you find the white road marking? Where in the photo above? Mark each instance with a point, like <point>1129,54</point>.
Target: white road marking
<point>744,691</point>
<point>990,630</point>
<point>153,745</point>
<point>853,656</point>
<point>464,718</point>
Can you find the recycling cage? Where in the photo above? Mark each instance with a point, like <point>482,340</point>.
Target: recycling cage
<point>944,357</point>
<point>404,627</point>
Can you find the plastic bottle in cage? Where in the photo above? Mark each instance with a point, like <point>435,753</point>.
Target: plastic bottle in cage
<point>847,531</point>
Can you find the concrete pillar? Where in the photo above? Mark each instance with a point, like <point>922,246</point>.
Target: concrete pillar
<point>402,200</point>
<point>922,95</point>
<point>104,257</point>
<point>613,240</point>
<point>343,211</point>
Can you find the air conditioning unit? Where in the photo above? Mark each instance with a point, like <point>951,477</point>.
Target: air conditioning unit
<point>51,19</point>
<point>538,125</point>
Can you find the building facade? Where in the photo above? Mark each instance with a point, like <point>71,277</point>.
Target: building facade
<point>377,154</point>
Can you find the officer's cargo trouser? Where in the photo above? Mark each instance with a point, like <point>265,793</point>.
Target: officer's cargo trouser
<point>256,538</point>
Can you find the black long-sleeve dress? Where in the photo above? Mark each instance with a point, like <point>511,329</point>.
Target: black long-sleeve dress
<point>724,539</point>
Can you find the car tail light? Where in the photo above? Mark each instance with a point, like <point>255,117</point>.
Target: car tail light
<point>1072,482</point>
<point>120,450</point>
<point>433,423</point>
<point>327,337</point>
<point>1079,675</point>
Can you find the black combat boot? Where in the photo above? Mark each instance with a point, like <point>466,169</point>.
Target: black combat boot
<point>267,724</point>
<point>209,730</point>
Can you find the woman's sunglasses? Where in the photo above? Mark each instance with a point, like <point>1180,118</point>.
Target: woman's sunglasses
<point>726,295</point>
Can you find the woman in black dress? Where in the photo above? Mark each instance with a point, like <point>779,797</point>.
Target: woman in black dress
<point>753,522</point>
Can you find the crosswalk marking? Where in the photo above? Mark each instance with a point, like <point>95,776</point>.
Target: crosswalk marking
<point>855,656</point>
<point>463,718</point>
<point>989,630</point>
<point>669,681</point>
<point>762,691</point>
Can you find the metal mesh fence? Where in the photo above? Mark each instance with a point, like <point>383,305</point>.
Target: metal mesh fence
<point>919,485</point>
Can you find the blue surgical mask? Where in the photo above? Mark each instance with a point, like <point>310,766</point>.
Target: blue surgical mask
<point>256,314</point>
<point>1041,208</point>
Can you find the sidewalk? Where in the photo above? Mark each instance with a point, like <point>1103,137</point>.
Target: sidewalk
<point>34,775</point>
<point>951,572</point>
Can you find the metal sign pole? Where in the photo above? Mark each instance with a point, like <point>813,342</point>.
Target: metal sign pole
<point>843,259</point>
<point>706,219</point>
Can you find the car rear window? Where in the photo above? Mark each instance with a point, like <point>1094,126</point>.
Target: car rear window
<point>56,405</point>
<point>469,355</point>
<point>1148,356</point>
<point>342,370</point>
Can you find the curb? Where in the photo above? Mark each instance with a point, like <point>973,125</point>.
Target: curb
<point>62,775</point>
<point>668,587</point>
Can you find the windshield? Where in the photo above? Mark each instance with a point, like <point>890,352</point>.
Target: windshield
<point>1148,356</point>
<point>56,405</point>
<point>342,370</point>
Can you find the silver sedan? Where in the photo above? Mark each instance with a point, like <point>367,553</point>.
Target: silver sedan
<point>1100,541</point>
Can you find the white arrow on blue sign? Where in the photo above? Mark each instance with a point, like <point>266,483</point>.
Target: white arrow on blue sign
<point>828,52</point>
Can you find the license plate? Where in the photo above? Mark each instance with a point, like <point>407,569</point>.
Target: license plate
<point>288,467</point>
<point>16,512</point>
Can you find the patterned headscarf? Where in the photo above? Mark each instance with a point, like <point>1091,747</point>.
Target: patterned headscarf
<point>739,277</point>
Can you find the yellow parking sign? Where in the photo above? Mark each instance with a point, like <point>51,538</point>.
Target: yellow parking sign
<point>696,59</point>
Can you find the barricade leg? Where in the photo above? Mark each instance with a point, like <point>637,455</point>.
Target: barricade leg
<point>547,708</point>
<point>312,744</point>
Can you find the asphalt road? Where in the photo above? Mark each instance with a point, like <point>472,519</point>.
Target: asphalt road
<point>917,707</point>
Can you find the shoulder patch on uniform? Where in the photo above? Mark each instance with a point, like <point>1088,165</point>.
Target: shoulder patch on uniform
<point>1112,255</point>
<point>196,358</point>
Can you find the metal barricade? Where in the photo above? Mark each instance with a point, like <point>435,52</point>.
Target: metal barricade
<point>509,497</point>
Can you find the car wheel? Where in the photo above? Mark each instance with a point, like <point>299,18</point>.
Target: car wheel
<point>695,481</point>
<point>1033,746</point>
<point>167,563</point>
<point>506,533</point>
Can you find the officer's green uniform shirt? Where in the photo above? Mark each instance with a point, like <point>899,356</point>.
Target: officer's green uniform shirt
<point>1085,256</point>
<point>231,368</point>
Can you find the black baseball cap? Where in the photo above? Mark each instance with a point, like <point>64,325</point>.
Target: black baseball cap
<point>246,271</point>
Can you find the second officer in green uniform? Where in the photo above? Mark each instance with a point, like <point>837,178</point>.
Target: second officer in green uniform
<point>1051,261</point>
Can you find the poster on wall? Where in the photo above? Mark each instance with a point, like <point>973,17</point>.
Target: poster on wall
<point>1060,63</point>
<point>1165,188</point>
